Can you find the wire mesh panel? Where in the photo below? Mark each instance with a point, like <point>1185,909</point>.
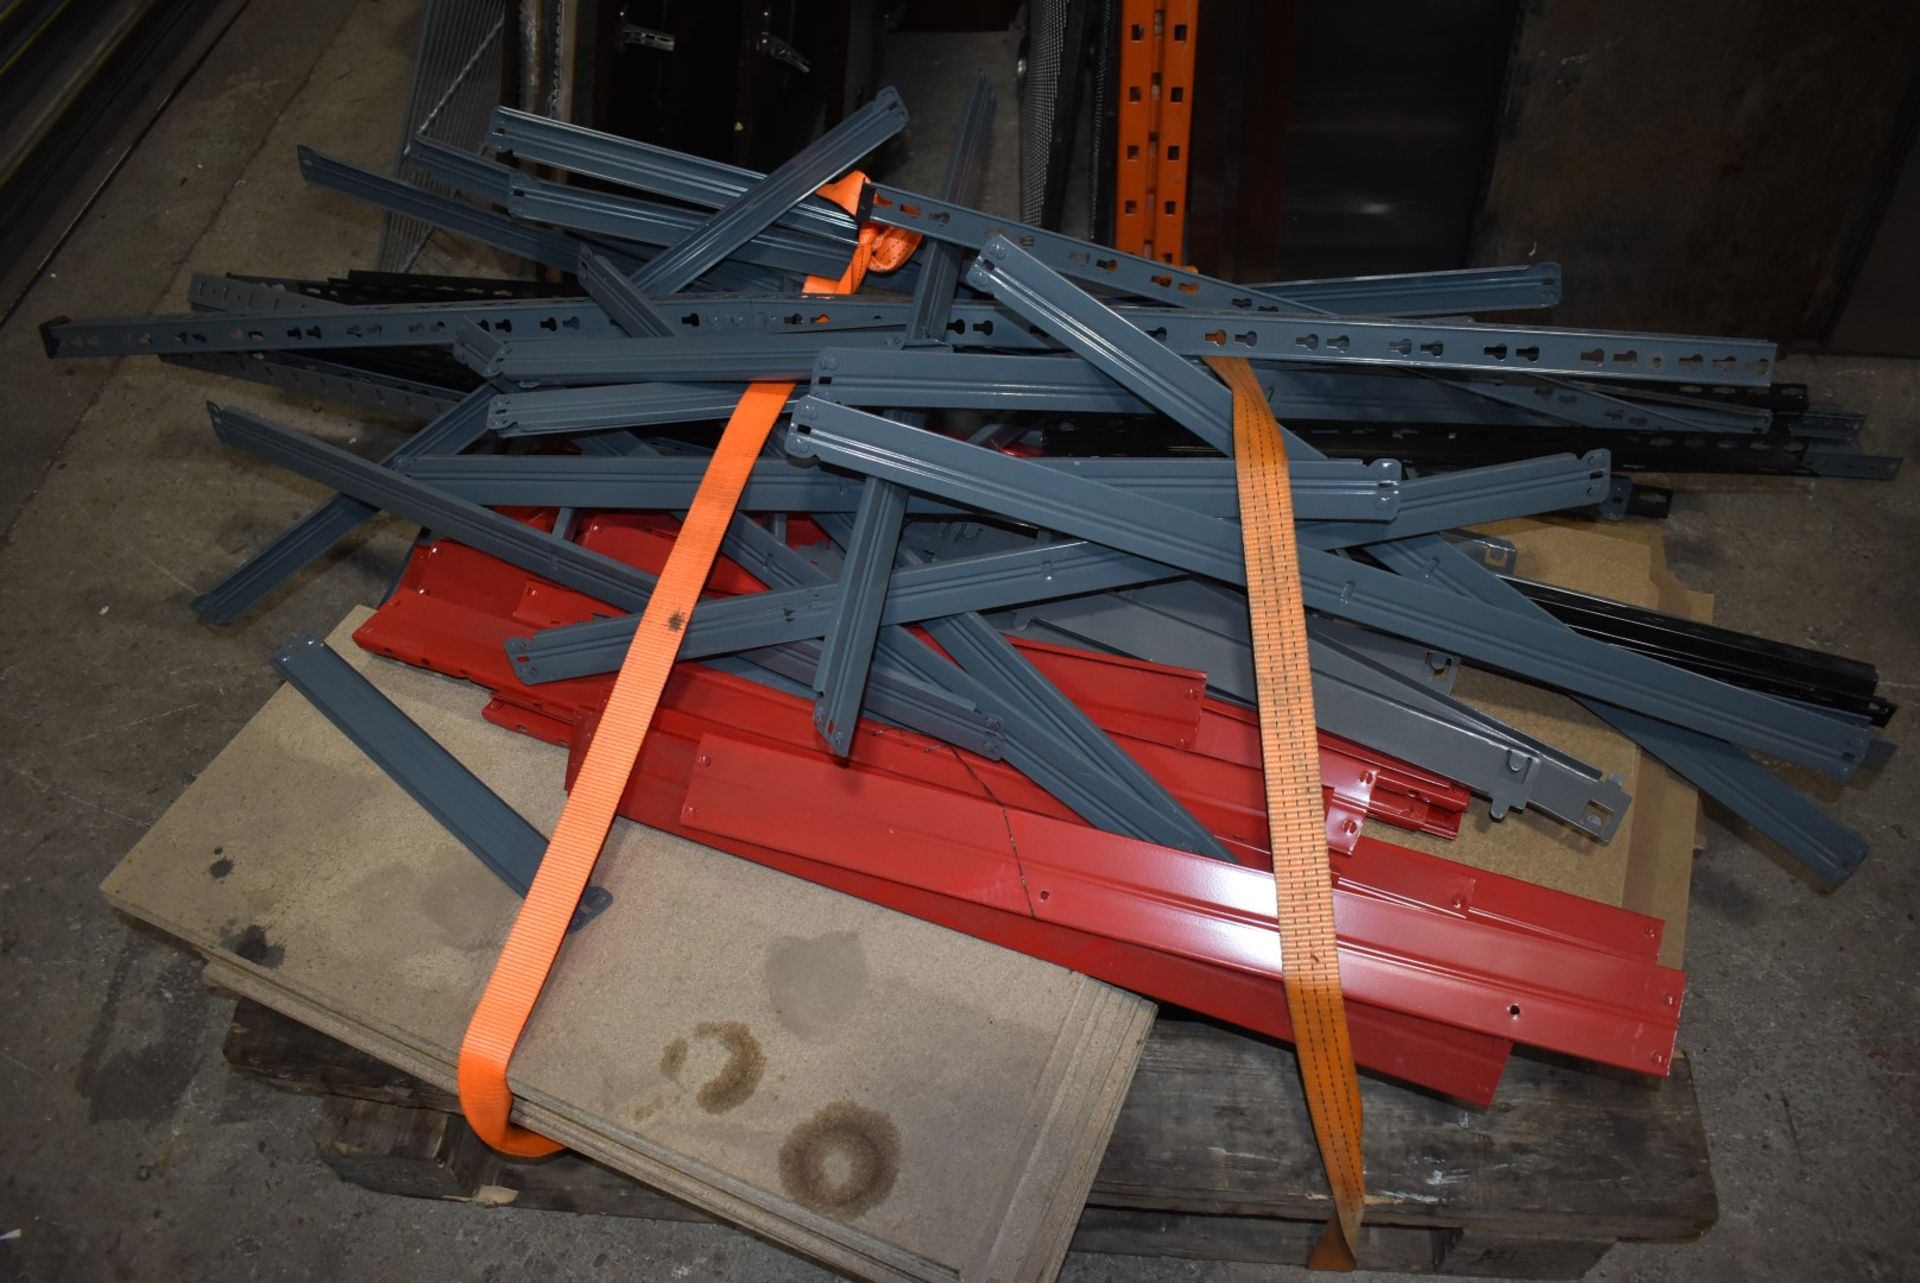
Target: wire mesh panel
<point>451,94</point>
<point>1039,99</point>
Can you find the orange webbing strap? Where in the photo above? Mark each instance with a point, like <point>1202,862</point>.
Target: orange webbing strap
<point>1296,819</point>
<point>532,945</point>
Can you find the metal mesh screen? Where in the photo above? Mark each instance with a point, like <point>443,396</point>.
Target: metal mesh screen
<point>1039,96</point>
<point>451,94</point>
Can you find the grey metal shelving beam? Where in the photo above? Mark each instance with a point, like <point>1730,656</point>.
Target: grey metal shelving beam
<point>467,173</point>
<point>1825,847</point>
<point>567,411</point>
<point>1097,333</point>
<point>374,486</point>
<point>847,646</point>
<point>623,220</point>
<point>763,203</point>
<point>697,181</point>
<point>1458,292</point>
<point>1103,784</point>
<point>961,380</point>
<point>396,325</point>
<point>1065,311</point>
<point>1470,496</point>
<point>1365,595</point>
<point>1361,699</point>
<point>335,519</point>
<point>473,813</point>
<point>1036,572</point>
<point>1027,746</point>
<point>620,299</point>
<point>553,249</point>
<point>1351,501</point>
<point>1705,760</point>
<point>210,292</point>
<point>689,358</point>
<point>872,540</point>
<point>1571,402</point>
<point>1161,377</point>
<point>325,380</point>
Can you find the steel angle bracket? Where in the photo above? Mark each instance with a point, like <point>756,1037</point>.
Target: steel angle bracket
<point>473,813</point>
<point>759,207</point>
<point>1458,292</point>
<point>688,358</point>
<point>916,593</point>
<point>697,181</point>
<point>631,310</point>
<point>1541,650</point>
<point>532,550</point>
<point>333,520</point>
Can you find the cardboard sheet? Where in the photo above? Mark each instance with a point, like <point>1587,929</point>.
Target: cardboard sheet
<point>892,1098</point>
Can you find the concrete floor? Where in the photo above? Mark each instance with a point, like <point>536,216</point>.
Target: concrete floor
<point>130,1151</point>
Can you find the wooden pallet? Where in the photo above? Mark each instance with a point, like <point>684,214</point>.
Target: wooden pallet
<point>1211,1158</point>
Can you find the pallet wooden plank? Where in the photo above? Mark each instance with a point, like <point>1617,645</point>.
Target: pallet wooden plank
<point>1216,1123</point>
<point>1564,1155</point>
<point>424,1153</point>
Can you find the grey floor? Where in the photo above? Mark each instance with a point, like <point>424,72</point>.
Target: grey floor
<point>128,1151</point>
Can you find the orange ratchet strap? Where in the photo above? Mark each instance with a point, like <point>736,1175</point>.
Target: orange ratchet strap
<point>534,942</point>
<point>1296,819</point>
